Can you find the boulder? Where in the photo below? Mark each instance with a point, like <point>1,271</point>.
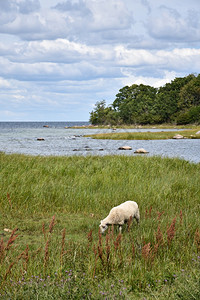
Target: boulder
<point>125,148</point>
<point>198,132</point>
<point>141,151</point>
<point>178,136</point>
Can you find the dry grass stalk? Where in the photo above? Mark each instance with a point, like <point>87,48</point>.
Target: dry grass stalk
<point>100,237</point>
<point>52,224</point>
<point>197,240</point>
<point>95,263</point>
<point>171,230</point>
<point>150,210</point>
<point>159,237</point>
<point>108,246</point>
<point>20,256</point>
<point>89,237</point>
<point>11,239</point>
<point>154,251</point>
<point>112,232</point>
<point>9,270</point>
<point>117,243</point>
<point>46,253</point>
<point>146,251</point>
<point>9,200</point>
<point>2,249</point>
<point>100,247</point>
<point>43,230</point>
<point>148,213</point>
<point>159,214</point>
<point>26,257</point>
<point>100,253</point>
<point>149,253</point>
<point>129,222</point>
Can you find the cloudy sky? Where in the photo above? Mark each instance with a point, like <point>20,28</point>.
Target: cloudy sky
<point>59,57</point>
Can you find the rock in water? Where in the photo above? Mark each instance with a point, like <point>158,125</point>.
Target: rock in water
<point>141,150</point>
<point>178,136</point>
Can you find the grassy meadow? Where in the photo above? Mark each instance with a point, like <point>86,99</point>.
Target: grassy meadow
<point>50,210</point>
<point>161,135</point>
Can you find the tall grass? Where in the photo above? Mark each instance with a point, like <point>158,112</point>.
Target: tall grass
<point>53,206</point>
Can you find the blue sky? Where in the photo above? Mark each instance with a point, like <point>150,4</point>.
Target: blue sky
<point>58,57</point>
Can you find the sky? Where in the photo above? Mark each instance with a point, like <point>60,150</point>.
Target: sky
<point>59,57</point>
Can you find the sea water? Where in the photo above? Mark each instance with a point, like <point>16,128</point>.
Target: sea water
<point>60,139</point>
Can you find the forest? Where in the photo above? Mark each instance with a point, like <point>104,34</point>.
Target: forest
<point>177,102</point>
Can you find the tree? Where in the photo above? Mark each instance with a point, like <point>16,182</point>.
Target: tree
<point>190,94</point>
<point>135,104</point>
<point>98,115</point>
<point>103,114</point>
<point>168,98</point>
<point>143,104</point>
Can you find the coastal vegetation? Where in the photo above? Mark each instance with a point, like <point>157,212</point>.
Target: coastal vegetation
<point>50,210</point>
<point>177,102</point>
<point>148,135</point>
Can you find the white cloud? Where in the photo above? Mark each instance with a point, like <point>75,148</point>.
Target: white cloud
<point>57,58</point>
<point>112,14</point>
<point>152,81</point>
<point>177,59</point>
<point>167,23</point>
<point>4,84</point>
<point>62,50</point>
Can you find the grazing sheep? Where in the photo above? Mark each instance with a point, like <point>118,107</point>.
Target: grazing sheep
<point>120,215</point>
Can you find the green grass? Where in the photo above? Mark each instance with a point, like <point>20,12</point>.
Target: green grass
<point>131,126</point>
<point>161,135</point>
<point>79,192</point>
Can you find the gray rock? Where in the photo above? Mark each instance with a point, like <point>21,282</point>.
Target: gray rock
<point>40,139</point>
<point>178,137</point>
<point>125,148</point>
<point>141,151</point>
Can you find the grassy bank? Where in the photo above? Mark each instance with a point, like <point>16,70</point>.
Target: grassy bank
<point>133,126</point>
<point>55,204</point>
<point>161,135</point>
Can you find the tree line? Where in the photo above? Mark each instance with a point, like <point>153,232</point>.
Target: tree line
<point>176,102</point>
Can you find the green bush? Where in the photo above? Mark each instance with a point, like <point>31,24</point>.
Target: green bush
<point>190,116</point>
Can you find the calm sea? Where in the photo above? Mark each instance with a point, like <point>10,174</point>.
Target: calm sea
<point>60,139</point>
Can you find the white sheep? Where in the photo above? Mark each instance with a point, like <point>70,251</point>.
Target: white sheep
<point>120,215</point>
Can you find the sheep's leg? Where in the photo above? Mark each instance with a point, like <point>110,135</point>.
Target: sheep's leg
<point>120,228</point>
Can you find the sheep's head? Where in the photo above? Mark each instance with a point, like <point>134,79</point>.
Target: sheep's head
<point>103,227</point>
